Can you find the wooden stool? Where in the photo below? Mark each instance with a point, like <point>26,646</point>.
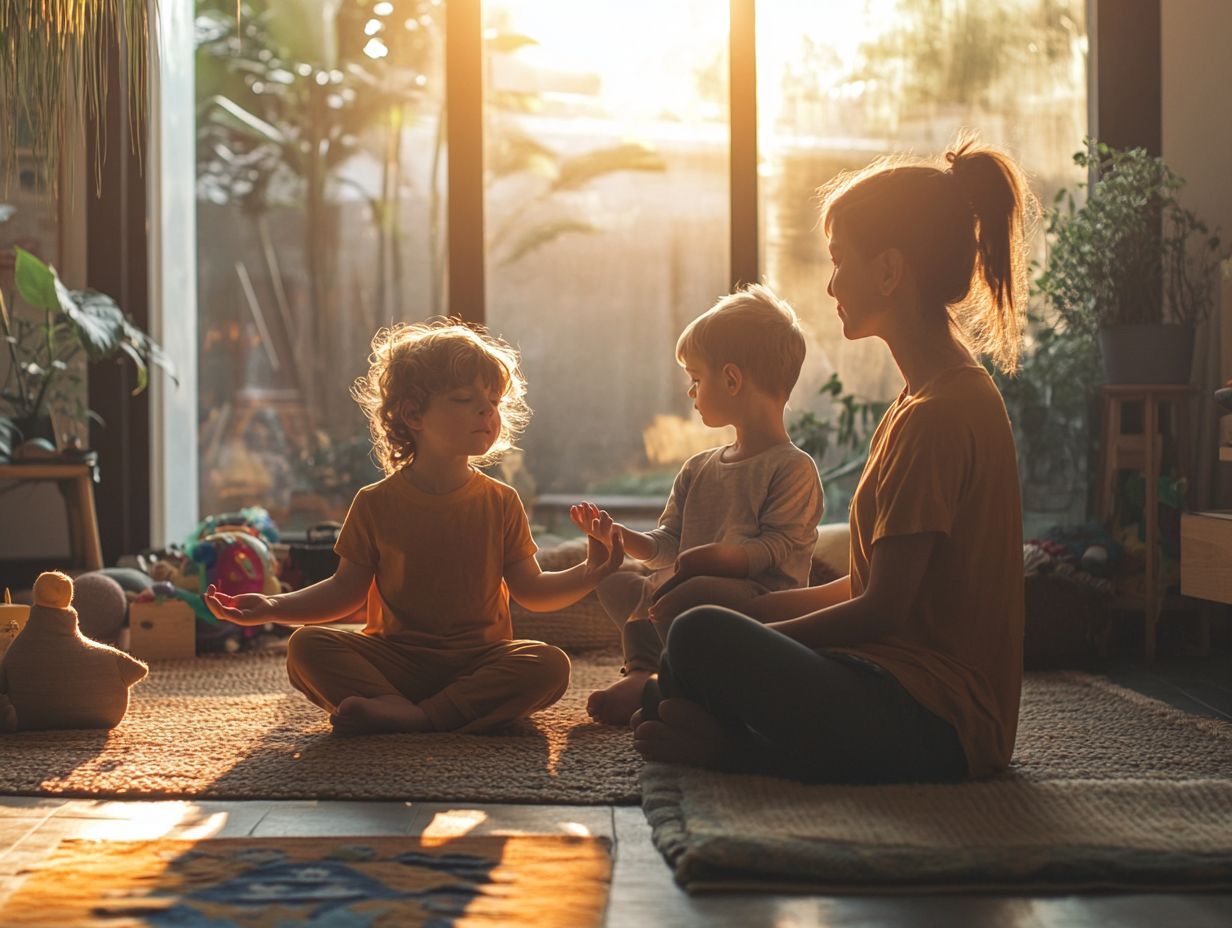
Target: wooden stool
<point>1143,453</point>
<point>76,482</point>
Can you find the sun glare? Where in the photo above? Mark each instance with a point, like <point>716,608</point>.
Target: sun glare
<point>645,53</point>
<point>149,820</point>
<point>454,824</point>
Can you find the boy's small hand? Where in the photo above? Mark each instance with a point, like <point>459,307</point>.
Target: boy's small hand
<point>245,609</point>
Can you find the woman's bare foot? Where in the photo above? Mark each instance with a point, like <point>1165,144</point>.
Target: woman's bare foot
<point>616,704</point>
<point>685,734</point>
<point>370,715</point>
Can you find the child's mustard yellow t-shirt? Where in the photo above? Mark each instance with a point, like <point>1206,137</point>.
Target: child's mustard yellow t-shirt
<point>439,560</point>
<point>943,461</point>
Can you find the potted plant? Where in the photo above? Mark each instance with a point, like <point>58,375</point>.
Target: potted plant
<point>44,346</point>
<point>1131,267</point>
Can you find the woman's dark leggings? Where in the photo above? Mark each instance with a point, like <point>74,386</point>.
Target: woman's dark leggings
<point>818,717</point>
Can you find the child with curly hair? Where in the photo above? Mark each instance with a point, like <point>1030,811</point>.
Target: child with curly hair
<point>434,549</point>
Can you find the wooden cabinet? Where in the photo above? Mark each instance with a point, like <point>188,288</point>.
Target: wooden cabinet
<point>1206,555</point>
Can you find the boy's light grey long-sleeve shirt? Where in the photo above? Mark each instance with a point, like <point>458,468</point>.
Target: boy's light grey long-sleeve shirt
<point>768,504</point>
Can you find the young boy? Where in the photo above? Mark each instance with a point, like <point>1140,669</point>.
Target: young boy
<point>742,518</point>
<point>435,550</point>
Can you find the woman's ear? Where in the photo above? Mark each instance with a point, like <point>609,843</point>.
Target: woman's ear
<point>733,377</point>
<point>890,269</point>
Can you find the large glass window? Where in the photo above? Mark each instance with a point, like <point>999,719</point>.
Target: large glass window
<point>607,193</point>
<point>607,173</point>
<point>842,83</point>
<point>320,218</point>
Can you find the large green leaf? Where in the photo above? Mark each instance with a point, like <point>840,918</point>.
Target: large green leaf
<point>36,282</point>
<point>99,323</point>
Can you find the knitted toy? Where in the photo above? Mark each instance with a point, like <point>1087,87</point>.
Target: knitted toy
<point>52,676</point>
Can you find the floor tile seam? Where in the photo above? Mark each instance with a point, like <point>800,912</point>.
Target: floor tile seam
<point>39,824</point>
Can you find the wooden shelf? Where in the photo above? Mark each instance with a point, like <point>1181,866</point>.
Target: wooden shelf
<point>1225,452</point>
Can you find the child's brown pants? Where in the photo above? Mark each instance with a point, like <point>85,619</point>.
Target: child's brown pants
<point>464,690</point>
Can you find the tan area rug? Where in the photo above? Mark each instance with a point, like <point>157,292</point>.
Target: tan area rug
<point>231,727</point>
<point>467,882</point>
<point>1108,790</point>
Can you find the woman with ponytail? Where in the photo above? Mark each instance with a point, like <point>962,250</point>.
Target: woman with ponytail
<point>909,668</point>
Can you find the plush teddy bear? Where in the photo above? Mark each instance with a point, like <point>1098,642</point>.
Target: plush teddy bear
<point>52,676</point>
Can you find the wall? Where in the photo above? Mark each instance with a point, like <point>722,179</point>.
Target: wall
<point>1197,129</point>
<point>1196,75</point>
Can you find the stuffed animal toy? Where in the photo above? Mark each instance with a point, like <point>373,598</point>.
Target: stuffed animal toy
<point>52,676</point>
<point>102,608</point>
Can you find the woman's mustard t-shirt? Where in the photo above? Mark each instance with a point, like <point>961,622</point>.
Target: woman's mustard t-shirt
<point>943,460</point>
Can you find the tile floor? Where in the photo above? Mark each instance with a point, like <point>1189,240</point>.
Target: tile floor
<point>642,893</point>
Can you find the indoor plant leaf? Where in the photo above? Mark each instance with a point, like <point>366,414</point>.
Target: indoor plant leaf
<point>36,281</point>
<point>99,322</point>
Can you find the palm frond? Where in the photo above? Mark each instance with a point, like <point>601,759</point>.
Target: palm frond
<point>544,234</point>
<point>581,169</point>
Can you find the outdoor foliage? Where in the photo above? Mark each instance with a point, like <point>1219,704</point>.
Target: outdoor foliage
<point>849,436</point>
<point>1049,401</point>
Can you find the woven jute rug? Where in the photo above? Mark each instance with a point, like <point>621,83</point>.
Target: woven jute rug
<point>541,881</point>
<point>231,727</point>
<point>1108,790</point>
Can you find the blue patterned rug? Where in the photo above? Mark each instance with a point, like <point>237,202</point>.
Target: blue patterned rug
<point>541,881</point>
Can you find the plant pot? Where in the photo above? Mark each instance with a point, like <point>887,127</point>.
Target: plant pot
<point>32,427</point>
<point>1148,353</point>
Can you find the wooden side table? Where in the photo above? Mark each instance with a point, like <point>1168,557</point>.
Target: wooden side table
<point>76,482</point>
<point>1144,453</point>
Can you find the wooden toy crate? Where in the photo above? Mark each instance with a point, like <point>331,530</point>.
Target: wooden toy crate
<point>159,630</point>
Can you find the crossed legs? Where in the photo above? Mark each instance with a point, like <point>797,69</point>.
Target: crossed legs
<point>739,696</point>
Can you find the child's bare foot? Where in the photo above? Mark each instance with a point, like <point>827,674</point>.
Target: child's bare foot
<point>685,734</point>
<point>615,705</point>
<point>364,715</point>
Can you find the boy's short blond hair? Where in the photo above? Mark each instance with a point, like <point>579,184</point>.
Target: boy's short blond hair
<point>753,329</point>
<point>411,363</point>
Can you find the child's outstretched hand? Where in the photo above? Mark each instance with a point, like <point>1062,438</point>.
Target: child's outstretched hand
<point>605,541</point>
<point>592,520</point>
<point>603,558</point>
<point>245,609</point>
